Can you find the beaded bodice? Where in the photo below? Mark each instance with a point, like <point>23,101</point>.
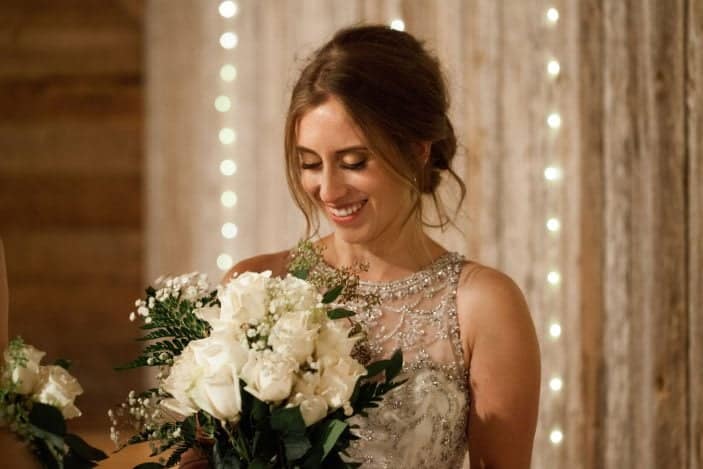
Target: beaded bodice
<point>421,424</point>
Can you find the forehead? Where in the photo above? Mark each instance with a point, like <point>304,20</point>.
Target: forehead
<point>328,125</point>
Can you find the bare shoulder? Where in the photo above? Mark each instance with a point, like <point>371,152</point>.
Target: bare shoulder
<point>489,301</point>
<point>276,262</point>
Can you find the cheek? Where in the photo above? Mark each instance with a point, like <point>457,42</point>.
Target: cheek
<point>309,184</point>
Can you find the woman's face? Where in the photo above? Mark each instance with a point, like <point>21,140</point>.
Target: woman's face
<point>362,199</point>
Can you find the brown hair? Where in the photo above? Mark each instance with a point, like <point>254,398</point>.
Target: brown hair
<point>394,91</point>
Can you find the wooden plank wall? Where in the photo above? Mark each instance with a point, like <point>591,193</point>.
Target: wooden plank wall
<point>694,154</point>
<point>70,184</point>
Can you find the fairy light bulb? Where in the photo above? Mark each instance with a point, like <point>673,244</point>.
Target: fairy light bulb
<point>229,230</point>
<point>228,9</point>
<point>554,120</point>
<point>555,330</point>
<point>229,40</point>
<point>556,436</point>
<point>552,173</point>
<point>228,72</point>
<point>228,199</point>
<point>224,261</point>
<point>556,384</point>
<point>228,167</point>
<point>553,68</point>
<point>553,225</point>
<point>398,24</point>
<point>227,136</point>
<point>223,103</point>
<point>554,278</point>
<point>552,15</point>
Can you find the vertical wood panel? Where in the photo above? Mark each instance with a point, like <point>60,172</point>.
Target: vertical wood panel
<point>591,228</point>
<point>615,445</point>
<point>694,153</point>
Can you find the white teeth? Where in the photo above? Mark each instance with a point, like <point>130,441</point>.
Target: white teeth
<point>345,212</point>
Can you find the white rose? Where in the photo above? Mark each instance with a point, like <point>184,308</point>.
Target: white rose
<point>24,377</point>
<point>58,388</point>
<point>178,383</point>
<point>269,375</point>
<point>294,335</point>
<point>206,376</point>
<point>306,383</point>
<point>243,299</point>
<point>338,379</point>
<point>312,408</point>
<point>334,341</point>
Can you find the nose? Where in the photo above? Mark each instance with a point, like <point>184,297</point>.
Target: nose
<point>332,186</point>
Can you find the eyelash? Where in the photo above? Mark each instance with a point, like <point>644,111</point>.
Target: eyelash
<point>354,167</point>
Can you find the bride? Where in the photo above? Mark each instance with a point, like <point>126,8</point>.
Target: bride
<point>367,135</point>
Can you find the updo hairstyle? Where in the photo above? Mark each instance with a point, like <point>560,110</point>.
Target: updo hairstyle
<point>395,92</point>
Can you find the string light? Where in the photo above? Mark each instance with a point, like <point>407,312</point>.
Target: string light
<point>228,199</point>
<point>228,72</point>
<point>552,15</point>
<point>227,136</point>
<point>229,40</point>
<point>398,24</point>
<point>554,278</point>
<point>556,436</point>
<point>552,173</point>
<point>229,230</point>
<point>556,384</point>
<point>224,261</point>
<point>555,330</point>
<point>223,103</point>
<point>228,167</point>
<point>228,9</point>
<point>553,224</point>
<point>553,67</point>
<point>554,120</point>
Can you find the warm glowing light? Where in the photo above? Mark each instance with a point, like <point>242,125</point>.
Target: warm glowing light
<point>554,120</point>
<point>555,330</point>
<point>398,24</point>
<point>553,67</point>
<point>552,15</point>
<point>555,384</point>
<point>224,261</point>
<point>228,72</point>
<point>229,40</point>
<point>552,173</point>
<point>228,198</point>
<point>554,278</point>
<point>228,9</point>
<point>229,230</point>
<point>553,224</point>
<point>227,136</point>
<point>556,436</point>
<point>223,103</point>
<point>228,167</point>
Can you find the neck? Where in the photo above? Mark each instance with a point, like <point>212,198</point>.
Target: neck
<point>389,258</point>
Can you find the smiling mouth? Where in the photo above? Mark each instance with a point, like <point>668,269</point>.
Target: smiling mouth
<point>348,210</point>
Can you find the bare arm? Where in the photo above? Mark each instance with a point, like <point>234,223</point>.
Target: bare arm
<point>503,352</point>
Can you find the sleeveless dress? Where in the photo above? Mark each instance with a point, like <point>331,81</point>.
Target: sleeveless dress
<point>423,423</point>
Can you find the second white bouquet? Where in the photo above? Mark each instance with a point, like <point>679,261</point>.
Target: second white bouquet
<point>257,374</point>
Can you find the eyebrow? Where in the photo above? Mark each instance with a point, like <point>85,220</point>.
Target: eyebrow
<point>356,148</point>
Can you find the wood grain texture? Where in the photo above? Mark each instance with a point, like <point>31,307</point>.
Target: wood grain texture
<point>71,185</point>
<point>694,154</point>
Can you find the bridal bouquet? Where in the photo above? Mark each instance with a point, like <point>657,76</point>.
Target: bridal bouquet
<point>36,400</point>
<point>257,374</point>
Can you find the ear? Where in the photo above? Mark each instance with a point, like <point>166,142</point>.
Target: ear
<point>422,151</point>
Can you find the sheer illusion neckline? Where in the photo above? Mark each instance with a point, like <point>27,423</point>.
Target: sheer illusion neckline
<point>437,264</point>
